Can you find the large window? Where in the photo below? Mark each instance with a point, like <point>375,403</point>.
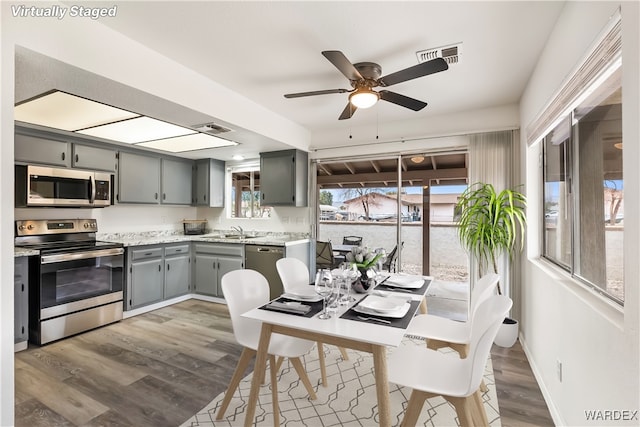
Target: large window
<point>583,189</point>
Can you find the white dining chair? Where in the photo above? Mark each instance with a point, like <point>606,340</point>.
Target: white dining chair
<point>431,373</point>
<point>294,272</point>
<point>442,332</point>
<point>244,290</point>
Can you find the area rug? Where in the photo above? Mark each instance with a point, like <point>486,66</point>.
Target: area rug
<point>348,400</point>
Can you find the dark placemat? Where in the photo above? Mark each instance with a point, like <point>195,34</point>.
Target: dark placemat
<point>419,291</point>
<point>316,307</point>
<point>402,322</point>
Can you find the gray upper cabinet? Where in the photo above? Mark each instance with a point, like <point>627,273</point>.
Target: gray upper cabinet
<point>176,182</point>
<point>94,158</point>
<point>283,178</point>
<point>139,178</point>
<point>209,183</point>
<point>31,149</point>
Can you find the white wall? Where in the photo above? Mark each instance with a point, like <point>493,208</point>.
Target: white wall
<point>596,341</point>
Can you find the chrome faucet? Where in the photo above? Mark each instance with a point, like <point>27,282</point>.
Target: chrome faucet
<point>238,229</point>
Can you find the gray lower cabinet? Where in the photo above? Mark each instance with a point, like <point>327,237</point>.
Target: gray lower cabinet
<point>94,158</point>
<point>156,273</point>
<point>212,261</point>
<point>177,270</point>
<point>177,178</point>
<point>145,282</point>
<point>209,183</point>
<point>138,178</point>
<point>32,149</point>
<point>21,300</point>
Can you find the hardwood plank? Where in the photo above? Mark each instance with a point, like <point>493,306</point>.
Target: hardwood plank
<point>66,401</point>
<point>33,413</point>
<point>81,354</point>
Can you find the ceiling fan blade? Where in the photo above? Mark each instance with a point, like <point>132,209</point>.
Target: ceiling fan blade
<point>402,100</point>
<point>341,62</point>
<point>316,92</point>
<point>420,70</point>
<point>348,111</point>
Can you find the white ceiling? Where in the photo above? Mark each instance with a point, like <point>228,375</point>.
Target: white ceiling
<point>265,49</point>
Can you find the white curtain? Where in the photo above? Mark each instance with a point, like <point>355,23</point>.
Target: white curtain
<point>494,158</point>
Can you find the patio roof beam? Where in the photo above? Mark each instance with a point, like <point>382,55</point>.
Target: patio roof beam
<point>419,175</point>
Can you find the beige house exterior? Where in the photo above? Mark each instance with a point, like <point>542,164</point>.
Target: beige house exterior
<point>383,207</point>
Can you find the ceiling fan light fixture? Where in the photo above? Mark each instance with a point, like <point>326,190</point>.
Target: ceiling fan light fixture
<point>364,97</point>
<point>417,159</point>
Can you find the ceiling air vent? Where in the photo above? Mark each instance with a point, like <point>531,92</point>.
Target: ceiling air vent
<point>450,53</point>
<point>211,128</point>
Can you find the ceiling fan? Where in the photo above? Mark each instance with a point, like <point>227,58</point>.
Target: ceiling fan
<point>364,76</point>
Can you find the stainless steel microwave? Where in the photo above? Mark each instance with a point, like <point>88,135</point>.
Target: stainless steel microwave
<point>57,187</point>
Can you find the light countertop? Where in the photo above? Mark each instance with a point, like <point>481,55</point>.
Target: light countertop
<point>153,238</point>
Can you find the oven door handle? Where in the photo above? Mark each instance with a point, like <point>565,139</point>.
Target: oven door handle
<point>71,256</point>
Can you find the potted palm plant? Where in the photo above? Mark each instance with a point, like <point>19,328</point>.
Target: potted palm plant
<point>491,224</point>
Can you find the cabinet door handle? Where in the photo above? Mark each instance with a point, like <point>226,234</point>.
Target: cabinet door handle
<point>262,196</point>
<point>159,268</point>
<point>164,196</point>
<point>168,267</point>
<point>205,197</point>
<point>156,196</point>
<point>218,265</point>
<point>77,158</point>
<point>63,155</point>
<point>214,265</point>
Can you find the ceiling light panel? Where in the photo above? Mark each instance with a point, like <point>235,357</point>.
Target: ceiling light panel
<point>199,141</point>
<point>61,110</point>
<point>140,129</point>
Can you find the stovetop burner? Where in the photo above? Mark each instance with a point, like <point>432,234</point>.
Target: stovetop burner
<point>52,236</point>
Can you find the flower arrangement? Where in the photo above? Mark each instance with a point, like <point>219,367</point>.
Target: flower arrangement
<point>363,258</point>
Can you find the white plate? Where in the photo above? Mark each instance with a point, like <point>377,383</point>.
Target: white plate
<point>396,314</point>
<point>303,293</point>
<point>382,304</point>
<point>407,282</point>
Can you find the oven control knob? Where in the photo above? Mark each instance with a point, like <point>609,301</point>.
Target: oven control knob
<point>30,227</point>
<point>21,227</point>
<point>86,225</point>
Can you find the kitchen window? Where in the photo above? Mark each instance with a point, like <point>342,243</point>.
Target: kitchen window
<point>245,193</point>
<point>583,191</point>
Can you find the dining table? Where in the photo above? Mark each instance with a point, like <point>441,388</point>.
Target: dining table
<point>346,328</point>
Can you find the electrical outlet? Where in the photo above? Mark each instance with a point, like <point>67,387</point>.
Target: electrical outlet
<point>559,370</point>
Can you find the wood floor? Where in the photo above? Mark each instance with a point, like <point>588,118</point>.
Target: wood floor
<point>160,368</point>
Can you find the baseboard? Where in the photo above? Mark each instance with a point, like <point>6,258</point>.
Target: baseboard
<point>208,298</point>
<point>151,307</point>
<point>553,410</point>
<point>161,304</point>
<point>19,346</point>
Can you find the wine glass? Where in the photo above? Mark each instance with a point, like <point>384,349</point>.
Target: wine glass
<point>324,288</point>
<point>345,283</point>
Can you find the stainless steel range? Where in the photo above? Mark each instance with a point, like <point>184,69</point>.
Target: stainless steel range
<point>76,283</point>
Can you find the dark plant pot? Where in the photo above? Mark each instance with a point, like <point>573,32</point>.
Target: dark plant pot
<point>507,333</point>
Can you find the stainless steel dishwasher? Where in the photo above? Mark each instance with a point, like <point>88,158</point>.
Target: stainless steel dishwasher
<point>263,259</point>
